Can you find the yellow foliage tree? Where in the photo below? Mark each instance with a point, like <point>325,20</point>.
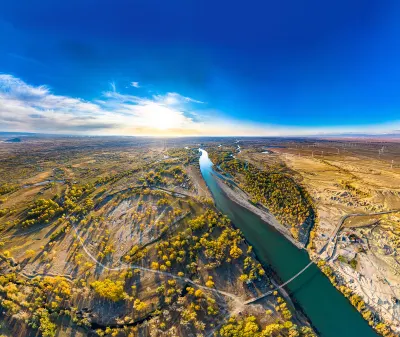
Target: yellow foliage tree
<point>110,290</point>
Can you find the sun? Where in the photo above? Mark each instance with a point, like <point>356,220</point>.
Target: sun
<point>161,117</point>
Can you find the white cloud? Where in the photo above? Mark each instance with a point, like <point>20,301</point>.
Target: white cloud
<point>14,86</point>
<point>175,98</point>
<point>28,108</point>
<point>24,107</point>
<point>135,84</point>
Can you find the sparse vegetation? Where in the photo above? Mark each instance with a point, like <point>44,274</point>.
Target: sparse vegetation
<point>100,238</point>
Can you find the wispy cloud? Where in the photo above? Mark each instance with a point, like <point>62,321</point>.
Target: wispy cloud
<point>26,59</point>
<point>135,84</point>
<point>113,86</point>
<point>175,98</point>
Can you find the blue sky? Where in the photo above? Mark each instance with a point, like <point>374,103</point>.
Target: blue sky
<point>200,67</point>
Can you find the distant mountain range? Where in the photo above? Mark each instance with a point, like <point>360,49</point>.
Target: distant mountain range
<point>13,140</point>
<point>17,134</point>
<point>394,134</point>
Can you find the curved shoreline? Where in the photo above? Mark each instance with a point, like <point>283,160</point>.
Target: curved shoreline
<point>240,198</point>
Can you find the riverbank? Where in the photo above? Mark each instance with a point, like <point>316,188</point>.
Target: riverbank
<point>350,184</point>
<point>330,313</point>
<point>241,198</point>
<point>378,297</point>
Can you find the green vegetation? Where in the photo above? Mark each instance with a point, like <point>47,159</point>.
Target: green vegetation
<point>249,327</point>
<point>43,298</point>
<point>42,211</point>
<point>113,291</point>
<point>75,194</point>
<point>352,262</point>
<point>356,301</point>
<point>349,186</point>
<point>7,188</point>
<point>211,235</point>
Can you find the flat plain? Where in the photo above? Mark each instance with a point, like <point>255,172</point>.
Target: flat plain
<point>120,237</point>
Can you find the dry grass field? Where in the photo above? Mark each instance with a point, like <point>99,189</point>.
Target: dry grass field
<point>119,237</point>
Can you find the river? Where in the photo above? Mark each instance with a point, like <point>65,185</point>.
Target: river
<point>329,311</point>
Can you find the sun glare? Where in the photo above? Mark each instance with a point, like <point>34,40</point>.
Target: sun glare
<point>161,117</point>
